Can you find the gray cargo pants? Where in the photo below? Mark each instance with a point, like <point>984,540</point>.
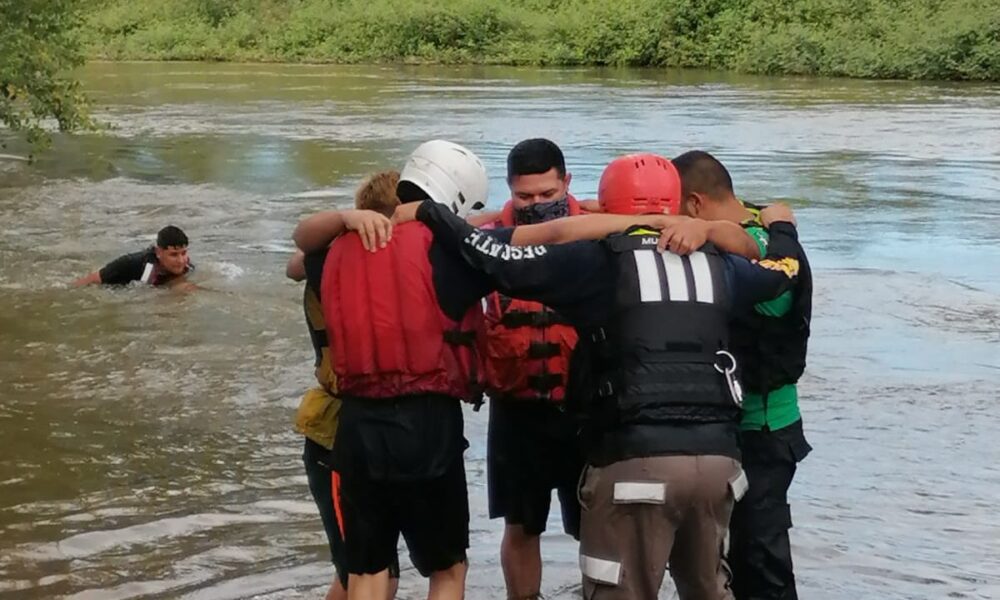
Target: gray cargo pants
<point>639,514</point>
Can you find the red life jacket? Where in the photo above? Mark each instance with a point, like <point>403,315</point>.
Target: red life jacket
<point>388,334</point>
<point>527,346</point>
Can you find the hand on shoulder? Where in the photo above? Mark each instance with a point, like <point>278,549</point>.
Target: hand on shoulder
<point>777,212</point>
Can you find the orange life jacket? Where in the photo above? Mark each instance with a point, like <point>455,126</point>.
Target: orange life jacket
<point>527,345</point>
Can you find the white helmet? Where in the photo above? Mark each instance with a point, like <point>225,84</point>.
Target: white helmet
<point>450,174</point>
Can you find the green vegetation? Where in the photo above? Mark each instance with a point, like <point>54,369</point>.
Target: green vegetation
<point>912,39</point>
<point>38,47</point>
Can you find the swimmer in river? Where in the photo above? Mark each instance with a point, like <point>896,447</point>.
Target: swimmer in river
<point>166,264</point>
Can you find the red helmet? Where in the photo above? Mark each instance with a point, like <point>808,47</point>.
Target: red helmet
<point>640,184</point>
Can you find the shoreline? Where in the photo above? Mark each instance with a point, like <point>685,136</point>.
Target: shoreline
<point>242,61</point>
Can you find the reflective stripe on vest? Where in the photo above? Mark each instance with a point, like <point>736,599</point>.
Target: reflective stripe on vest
<point>672,277</point>
<point>147,274</point>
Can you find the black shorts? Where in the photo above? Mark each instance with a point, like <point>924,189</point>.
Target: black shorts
<point>533,448</point>
<point>321,478</point>
<point>432,515</point>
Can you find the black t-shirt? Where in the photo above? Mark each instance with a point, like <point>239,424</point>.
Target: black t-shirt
<point>413,437</point>
<point>139,266</point>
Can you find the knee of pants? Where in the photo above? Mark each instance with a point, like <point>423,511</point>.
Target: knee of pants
<point>600,576</point>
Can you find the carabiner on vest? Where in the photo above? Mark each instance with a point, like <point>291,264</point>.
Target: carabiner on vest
<point>729,372</point>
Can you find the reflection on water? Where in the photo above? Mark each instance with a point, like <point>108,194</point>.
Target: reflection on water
<point>148,450</point>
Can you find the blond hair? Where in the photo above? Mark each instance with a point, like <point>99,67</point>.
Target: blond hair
<point>378,192</point>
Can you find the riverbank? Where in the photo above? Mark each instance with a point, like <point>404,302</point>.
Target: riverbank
<point>922,39</point>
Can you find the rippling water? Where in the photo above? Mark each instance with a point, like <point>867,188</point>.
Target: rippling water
<point>147,442</point>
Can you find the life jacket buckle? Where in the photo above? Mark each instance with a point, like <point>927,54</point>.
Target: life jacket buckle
<point>599,335</point>
<point>539,350</point>
<point>540,319</point>
<point>606,389</point>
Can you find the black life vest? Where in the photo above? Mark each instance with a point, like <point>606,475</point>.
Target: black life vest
<point>772,350</point>
<point>655,359</point>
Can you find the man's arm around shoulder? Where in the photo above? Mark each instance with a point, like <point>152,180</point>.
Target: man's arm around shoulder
<point>772,276</point>
<point>559,276</point>
<point>315,233</point>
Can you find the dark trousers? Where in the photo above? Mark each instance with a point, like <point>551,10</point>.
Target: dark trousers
<point>760,552</point>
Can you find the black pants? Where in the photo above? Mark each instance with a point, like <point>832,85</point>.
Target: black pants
<point>760,553</point>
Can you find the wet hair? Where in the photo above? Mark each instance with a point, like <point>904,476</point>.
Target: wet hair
<point>702,173</point>
<point>378,192</point>
<point>171,236</point>
<point>533,157</point>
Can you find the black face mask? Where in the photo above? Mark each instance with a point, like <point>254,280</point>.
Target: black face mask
<point>540,212</point>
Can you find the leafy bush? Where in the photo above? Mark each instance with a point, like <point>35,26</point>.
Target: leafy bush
<point>947,39</point>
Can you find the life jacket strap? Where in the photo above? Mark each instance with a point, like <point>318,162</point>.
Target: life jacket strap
<point>520,318</point>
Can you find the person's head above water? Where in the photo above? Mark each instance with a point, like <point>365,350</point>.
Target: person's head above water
<point>640,184</point>
<point>706,186</point>
<point>538,181</point>
<point>446,173</point>
<point>378,192</point>
<point>172,250</point>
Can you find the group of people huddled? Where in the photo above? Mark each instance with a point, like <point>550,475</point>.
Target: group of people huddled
<point>639,354</point>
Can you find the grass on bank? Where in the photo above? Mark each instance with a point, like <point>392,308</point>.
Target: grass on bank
<point>918,39</point>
